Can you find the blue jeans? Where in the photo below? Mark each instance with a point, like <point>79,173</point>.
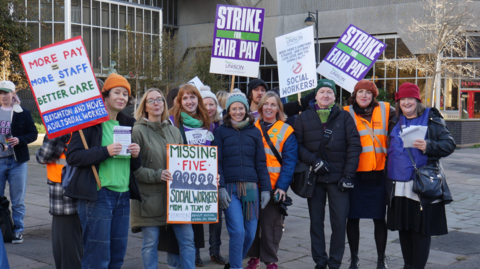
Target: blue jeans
<point>186,259</point>
<point>16,175</point>
<point>149,247</point>
<point>242,233</point>
<point>105,229</point>
<point>214,240</point>
<point>3,254</point>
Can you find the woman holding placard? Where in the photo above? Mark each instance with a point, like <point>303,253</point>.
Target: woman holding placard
<point>242,167</point>
<point>281,151</point>
<point>152,132</point>
<point>417,218</point>
<point>104,212</point>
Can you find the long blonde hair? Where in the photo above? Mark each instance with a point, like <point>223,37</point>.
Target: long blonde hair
<point>142,113</point>
<point>280,114</point>
<point>222,97</point>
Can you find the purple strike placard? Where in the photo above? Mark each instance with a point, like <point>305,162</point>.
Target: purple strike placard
<point>351,57</point>
<point>237,40</point>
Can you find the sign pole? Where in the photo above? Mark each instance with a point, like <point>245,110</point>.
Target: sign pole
<point>97,178</point>
<point>299,97</point>
<point>233,82</point>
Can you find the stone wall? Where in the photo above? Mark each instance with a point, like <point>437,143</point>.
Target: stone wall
<point>465,132</point>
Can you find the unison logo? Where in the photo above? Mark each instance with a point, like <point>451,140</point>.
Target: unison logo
<point>294,39</point>
<point>335,73</point>
<point>233,65</point>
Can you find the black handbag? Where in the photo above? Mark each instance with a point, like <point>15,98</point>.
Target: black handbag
<point>6,221</point>
<point>428,180</point>
<point>303,183</point>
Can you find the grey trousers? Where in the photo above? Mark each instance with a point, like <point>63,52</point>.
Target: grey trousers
<point>67,242</point>
<point>338,205</point>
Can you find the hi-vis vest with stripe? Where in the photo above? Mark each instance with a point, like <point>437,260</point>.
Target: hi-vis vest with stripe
<point>278,133</point>
<point>54,170</point>
<point>374,148</point>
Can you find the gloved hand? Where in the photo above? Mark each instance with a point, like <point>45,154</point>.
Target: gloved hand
<point>346,183</point>
<point>321,167</point>
<point>264,198</point>
<point>223,198</point>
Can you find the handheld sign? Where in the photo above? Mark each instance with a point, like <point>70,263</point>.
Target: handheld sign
<point>351,58</point>
<point>193,192</point>
<point>237,41</point>
<point>64,86</point>
<point>196,82</point>
<point>296,62</point>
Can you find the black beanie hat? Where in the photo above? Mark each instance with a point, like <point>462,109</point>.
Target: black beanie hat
<point>255,83</point>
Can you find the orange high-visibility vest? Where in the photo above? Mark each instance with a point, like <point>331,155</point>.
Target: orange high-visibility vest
<point>278,133</point>
<point>374,147</point>
<point>54,170</point>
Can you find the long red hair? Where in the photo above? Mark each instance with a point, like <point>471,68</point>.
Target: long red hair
<point>202,113</point>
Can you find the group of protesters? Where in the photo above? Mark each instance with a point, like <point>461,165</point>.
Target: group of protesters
<point>355,153</point>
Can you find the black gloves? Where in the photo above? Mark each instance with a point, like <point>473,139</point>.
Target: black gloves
<point>321,167</point>
<point>346,183</point>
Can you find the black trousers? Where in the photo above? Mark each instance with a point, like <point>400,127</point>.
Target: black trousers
<point>67,242</point>
<point>338,205</point>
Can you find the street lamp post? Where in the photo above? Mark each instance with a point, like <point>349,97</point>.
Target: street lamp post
<point>309,21</point>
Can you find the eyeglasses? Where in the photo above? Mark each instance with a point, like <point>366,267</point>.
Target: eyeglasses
<point>152,101</point>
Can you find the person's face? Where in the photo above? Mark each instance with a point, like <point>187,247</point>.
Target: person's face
<point>190,102</point>
<point>364,98</point>
<point>237,111</point>
<point>270,109</point>
<point>211,106</point>
<point>257,93</point>
<point>117,99</point>
<point>325,97</point>
<point>408,105</point>
<point>6,98</point>
<point>154,105</point>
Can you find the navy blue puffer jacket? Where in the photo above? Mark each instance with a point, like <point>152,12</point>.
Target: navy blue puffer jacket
<point>241,156</point>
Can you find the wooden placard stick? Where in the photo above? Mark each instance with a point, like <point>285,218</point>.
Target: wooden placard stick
<point>233,81</point>
<point>97,178</point>
<point>299,97</point>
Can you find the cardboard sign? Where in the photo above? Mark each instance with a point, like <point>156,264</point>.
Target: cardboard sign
<point>237,41</point>
<point>351,58</point>
<point>296,61</point>
<point>196,82</point>
<point>193,192</point>
<point>64,86</point>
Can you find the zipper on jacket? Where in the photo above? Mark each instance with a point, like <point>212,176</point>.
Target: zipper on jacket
<point>241,156</point>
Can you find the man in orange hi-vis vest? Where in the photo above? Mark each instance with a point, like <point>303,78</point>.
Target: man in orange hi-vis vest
<point>66,228</point>
<point>367,199</point>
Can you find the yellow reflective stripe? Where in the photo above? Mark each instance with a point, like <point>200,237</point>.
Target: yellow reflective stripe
<point>363,132</point>
<point>367,149</point>
<point>381,150</point>
<point>383,111</point>
<point>282,132</point>
<point>380,132</point>
<point>274,169</point>
<point>270,152</point>
<point>61,161</point>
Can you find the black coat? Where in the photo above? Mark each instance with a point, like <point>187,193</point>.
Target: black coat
<point>83,185</point>
<point>24,129</point>
<point>343,148</point>
<point>294,107</point>
<point>440,144</point>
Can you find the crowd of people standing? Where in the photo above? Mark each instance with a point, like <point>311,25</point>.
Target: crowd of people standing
<point>355,153</point>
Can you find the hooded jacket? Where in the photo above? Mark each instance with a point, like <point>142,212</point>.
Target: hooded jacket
<point>83,185</point>
<point>343,148</point>
<point>152,137</point>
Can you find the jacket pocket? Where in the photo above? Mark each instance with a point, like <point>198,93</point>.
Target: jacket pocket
<point>153,205</point>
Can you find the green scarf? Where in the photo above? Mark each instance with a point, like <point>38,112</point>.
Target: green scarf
<point>239,125</point>
<point>190,121</point>
<point>248,194</point>
<point>323,113</point>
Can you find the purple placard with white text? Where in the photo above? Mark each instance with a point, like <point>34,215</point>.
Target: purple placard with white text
<point>351,57</point>
<point>237,40</point>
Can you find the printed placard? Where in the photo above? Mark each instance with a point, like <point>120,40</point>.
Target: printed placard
<point>237,40</point>
<point>296,61</point>
<point>193,192</point>
<point>64,86</point>
<point>351,58</point>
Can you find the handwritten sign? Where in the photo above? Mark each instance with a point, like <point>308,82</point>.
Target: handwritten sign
<point>64,86</point>
<point>351,58</point>
<point>296,62</point>
<point>193,192</point>
<point>237,41</point>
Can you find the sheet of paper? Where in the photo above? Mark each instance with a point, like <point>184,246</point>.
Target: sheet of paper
<point>123,135</point>
<point>411,133</point>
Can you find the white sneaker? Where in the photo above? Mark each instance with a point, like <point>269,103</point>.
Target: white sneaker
<point>17,238</point>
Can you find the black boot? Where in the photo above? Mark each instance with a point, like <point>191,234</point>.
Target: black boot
<point>407,266</point>
<point>355,262</point>
<point>227,266</point>
<point>382,262</point>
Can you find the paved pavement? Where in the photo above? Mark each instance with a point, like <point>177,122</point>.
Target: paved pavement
<point>459,249</point>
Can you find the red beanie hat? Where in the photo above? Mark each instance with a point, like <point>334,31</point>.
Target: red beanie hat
<point>115,80</point>
<point>408,90</point>
<point>366,85</point>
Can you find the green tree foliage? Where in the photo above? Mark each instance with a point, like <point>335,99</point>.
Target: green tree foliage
<point>200,58</point>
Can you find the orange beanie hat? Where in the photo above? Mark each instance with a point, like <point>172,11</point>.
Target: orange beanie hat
<point>115,80</point>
